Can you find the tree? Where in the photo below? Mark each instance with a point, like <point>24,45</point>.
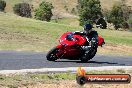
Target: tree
<point>119,16</point>
<point>44,12</point>
<point>89,11</point>
<point>116,16</point>
<point>130,21</point>
<point>2,5</point>
<point>22,9</point>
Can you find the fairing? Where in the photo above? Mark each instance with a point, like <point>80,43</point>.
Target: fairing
<point>67,48</point>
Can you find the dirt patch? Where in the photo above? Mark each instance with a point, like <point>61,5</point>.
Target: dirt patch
<point>115,49</point>
<point>73,84</point>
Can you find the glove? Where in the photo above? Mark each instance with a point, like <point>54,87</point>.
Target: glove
<point>86,48</point>
<point>94,43</point>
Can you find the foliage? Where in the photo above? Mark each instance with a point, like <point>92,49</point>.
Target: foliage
<point>22,9</point>
<point>130,21</point>
<point>119,16</point>
<point>66,8</point>
<point>2,5</point>
<point>44,12</point>
<point>89,11</point>
<point>116,16</point>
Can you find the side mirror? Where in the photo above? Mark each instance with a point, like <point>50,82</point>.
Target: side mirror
<point>69,37</point>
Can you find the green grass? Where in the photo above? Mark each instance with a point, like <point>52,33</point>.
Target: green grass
<point>27,79</point>
<point>18,33</point>
<point>67,21</point>
<point>24,33</point>
<point>117,37</point>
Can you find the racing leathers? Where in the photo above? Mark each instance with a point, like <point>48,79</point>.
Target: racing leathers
<point>92,40</point>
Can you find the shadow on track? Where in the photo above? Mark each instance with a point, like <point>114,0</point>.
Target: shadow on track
<point>92,62</point>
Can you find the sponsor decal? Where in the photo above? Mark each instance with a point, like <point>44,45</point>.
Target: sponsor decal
<point>83,78</point>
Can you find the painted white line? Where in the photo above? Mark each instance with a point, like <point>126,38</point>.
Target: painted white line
<point>67,69</point>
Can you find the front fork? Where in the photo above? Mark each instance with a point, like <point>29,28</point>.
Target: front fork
<point>61,51</point>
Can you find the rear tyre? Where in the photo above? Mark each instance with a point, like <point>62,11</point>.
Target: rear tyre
<point>93,53</point>
<point>88,55</point>
<point>51,55</point>
<point>84,59</point>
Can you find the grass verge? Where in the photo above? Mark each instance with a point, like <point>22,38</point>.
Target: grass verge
<point>15,81</point>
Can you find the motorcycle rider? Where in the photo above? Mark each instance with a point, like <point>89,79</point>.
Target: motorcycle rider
<point>91,37</point>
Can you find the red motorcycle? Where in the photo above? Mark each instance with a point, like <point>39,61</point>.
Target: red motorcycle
<point>70,48</point>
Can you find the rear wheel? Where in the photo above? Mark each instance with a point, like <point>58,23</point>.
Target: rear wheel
<point>51,55</point>
<point>88,55</point>
<point>93,53</point>
<point>84,58</point>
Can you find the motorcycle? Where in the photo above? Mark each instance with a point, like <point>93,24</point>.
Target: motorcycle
<point>70,47</point>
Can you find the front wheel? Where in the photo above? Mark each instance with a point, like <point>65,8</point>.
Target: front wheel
<point>51,55</point>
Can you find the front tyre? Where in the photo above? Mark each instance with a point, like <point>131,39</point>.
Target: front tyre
<point>51,55</point>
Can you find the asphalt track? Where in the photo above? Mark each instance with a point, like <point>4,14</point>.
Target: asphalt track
<point>13,60</point>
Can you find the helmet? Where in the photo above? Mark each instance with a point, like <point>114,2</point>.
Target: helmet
<point>87,27</point>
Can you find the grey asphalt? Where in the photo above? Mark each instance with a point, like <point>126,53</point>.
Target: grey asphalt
<point>13,60</point>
